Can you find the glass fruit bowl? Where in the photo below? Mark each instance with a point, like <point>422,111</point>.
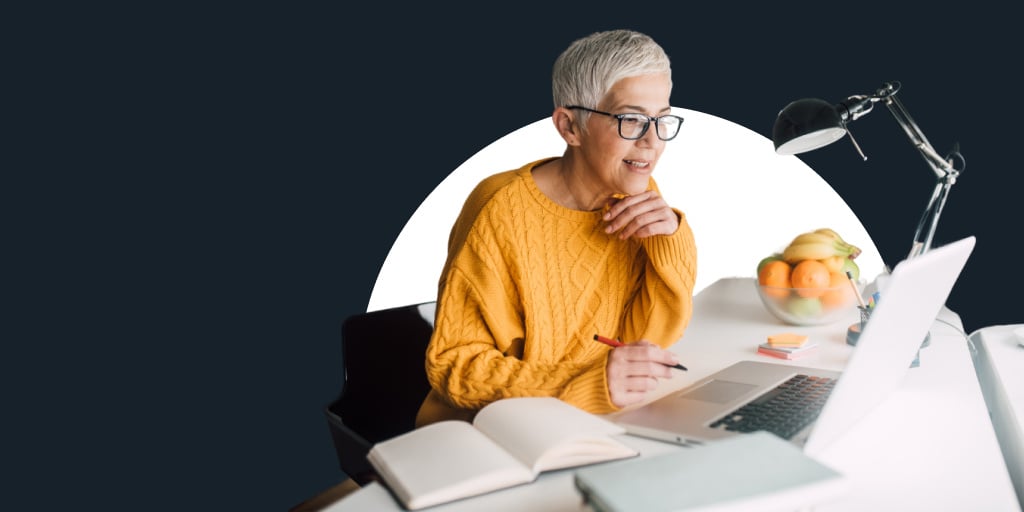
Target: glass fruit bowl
<point>811,306</point>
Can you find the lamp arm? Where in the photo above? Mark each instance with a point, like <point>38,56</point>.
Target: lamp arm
<point>940,166</point>
<point>930,219</point>
<point>944,171</point>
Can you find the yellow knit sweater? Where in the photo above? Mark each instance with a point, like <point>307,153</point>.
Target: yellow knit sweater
<point>526,286</point>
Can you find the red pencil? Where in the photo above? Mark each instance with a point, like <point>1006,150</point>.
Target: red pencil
<point>608,341</point>
<point>617,343</point>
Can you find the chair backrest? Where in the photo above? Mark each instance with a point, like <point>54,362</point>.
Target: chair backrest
<point>385,382</point>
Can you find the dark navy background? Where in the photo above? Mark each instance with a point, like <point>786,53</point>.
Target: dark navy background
<point>205,194</point>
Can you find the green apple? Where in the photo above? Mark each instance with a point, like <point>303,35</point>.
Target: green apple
<point>804,307</point>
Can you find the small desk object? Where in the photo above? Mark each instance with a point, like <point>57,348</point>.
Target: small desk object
<point>929,446</point>
<point>999,359</point>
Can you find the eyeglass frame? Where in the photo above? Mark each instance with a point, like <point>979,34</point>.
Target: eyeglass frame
<point>646,127</point>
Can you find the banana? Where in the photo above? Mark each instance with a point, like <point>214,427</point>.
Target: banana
<point>830,232</point>
<point>794,253</point>
<point>854,250</point>
<point>814,237</point>
<point>817,246</point>
<point>834,263</point>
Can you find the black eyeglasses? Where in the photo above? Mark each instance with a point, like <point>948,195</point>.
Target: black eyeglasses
<point>634,126</point>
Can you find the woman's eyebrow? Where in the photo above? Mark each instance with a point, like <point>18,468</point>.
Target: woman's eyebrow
<point>641,109</point>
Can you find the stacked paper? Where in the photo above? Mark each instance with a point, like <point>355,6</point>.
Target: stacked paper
<point>786,346</point>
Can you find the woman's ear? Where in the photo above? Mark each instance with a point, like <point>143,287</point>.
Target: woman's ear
<point>567,125</point>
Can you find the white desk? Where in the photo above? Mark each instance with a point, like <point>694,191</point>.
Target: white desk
<point>999,361</point>
<point>930,446</point>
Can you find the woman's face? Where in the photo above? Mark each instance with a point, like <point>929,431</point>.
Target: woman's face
<point>621,165</point>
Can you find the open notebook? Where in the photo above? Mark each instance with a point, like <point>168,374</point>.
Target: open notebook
<point>510,442</point>
<point>724,403</point>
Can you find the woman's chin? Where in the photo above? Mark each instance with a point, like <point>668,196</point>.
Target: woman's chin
<point>636,186</point>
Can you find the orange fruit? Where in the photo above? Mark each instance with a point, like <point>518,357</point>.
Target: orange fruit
<point>840,293</point>
<point>775,273</point>
<point>810,278</point>
<point>768,259</point>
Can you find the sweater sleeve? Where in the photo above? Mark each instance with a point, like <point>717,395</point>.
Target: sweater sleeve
<point>663,305</point>
<point>475,353</point>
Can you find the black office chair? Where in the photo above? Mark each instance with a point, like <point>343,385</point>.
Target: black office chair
<point>385,382</point>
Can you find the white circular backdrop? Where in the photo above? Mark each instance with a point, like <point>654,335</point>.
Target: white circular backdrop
<point>742,201</point>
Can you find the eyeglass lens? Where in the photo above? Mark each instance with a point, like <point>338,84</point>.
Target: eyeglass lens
<point>634,126</point>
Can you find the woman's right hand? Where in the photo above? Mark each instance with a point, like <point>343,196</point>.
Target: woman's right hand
<point>634,369</point>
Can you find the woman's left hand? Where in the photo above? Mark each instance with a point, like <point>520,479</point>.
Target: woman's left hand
<point>641,216</point>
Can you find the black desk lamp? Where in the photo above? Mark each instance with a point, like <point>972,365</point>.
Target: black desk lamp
<point>808,124</point>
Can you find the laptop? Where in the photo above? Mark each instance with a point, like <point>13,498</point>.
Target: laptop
<point>730,401</point>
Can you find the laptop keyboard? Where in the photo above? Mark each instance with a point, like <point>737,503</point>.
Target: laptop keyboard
<point>783,411</point>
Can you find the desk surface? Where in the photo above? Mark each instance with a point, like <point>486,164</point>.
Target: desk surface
<point>929,446</point>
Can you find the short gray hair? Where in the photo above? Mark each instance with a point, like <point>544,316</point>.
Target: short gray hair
<point>585,72</point>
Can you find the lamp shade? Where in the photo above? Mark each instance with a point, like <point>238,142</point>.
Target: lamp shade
<point>805,125</point>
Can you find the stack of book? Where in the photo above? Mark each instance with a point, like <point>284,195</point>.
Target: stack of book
<point>756,471</point>
<point>787,346</point>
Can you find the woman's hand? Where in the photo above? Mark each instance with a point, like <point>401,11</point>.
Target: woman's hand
<point>641,216</point>
<point>634,369</point>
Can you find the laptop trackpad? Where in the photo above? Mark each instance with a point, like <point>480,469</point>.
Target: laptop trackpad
<point>719,391</point>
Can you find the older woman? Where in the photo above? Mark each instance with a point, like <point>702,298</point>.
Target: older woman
<point>545,256</point>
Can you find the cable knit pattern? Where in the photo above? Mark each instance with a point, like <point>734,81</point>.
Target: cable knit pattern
<point>526,286</point>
